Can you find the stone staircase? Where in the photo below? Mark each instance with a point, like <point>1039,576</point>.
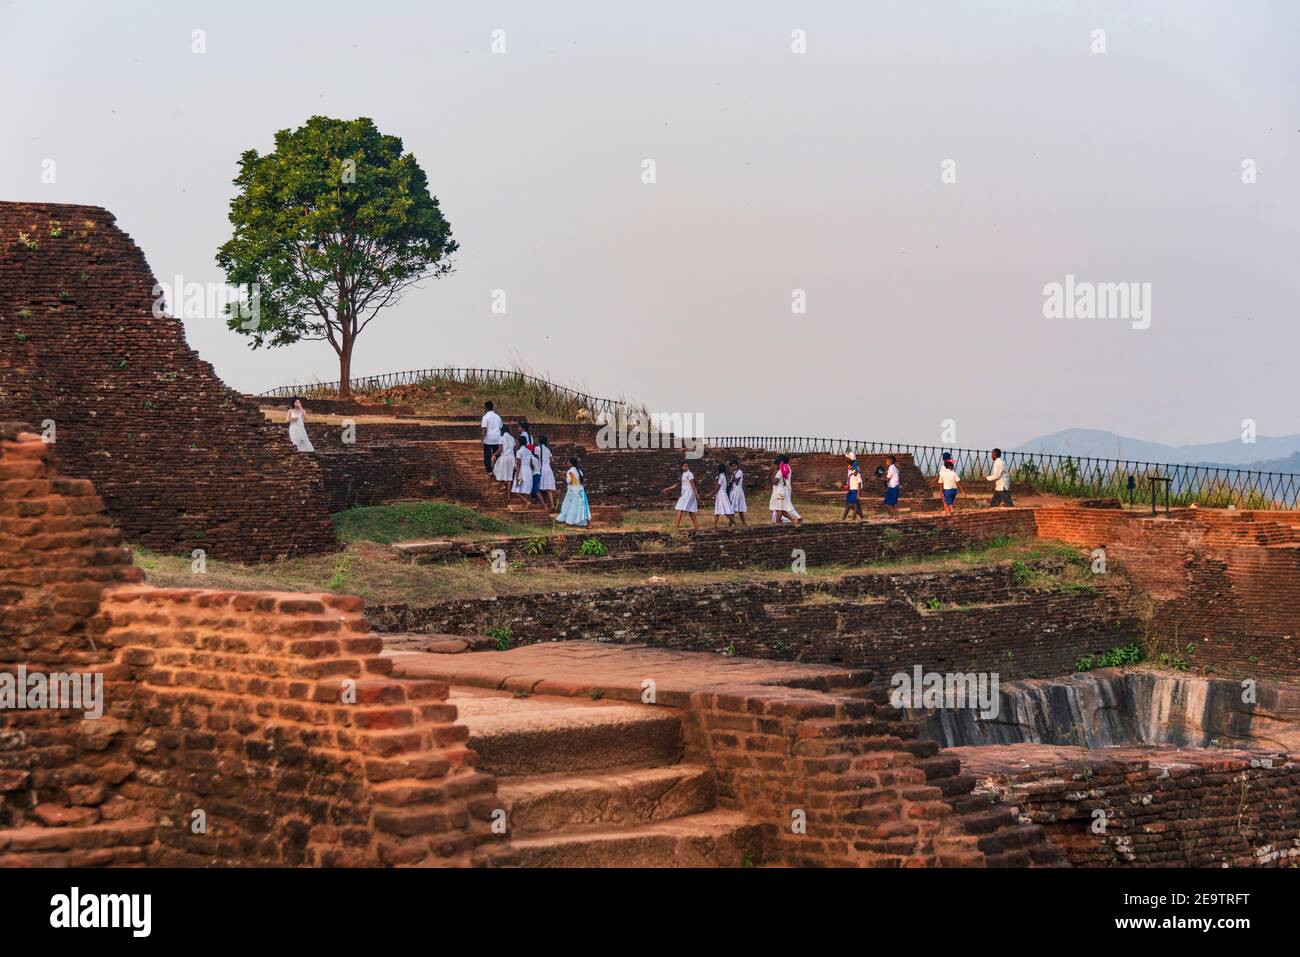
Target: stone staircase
<point>593,783</point>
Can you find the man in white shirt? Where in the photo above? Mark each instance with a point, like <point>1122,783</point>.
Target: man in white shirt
<point>893,486</point>
<point>1001,479</point>
<point>491,426</point>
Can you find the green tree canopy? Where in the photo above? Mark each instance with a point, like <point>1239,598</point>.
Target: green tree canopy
<point>330,228</point>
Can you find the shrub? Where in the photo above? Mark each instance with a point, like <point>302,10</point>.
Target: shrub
<point>593,547</point>
<point>502,637</point>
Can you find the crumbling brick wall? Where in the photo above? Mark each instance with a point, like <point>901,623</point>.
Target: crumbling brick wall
<point>181,460</point>
<point>870,621</point>
<point>1134,807</point>
<point>238,728</point>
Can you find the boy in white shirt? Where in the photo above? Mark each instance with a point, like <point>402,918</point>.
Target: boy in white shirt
<point>853,501</point>
<point>893,486</point>
<point>948,481</point>
<point>491,426</point>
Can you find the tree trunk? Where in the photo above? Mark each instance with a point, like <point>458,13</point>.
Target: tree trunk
<point>345,369</point>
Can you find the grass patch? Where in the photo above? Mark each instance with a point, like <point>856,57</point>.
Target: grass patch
<point>409,521</point>
<point>1118,657</point>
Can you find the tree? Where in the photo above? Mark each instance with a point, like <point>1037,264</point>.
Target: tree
<point>329,229</point>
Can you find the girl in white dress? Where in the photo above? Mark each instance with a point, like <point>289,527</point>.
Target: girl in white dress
<point>524,472</point>
<point>548,474</point>
<point>575,510</point>
<point>780,505</point>
<point>297,420</point>
<point>688,501</point>
<point>737,491</point>
<point>503,463</point>
<point>722,499</point>
<point>789,491</point>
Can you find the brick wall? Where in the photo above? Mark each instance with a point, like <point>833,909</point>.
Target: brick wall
<point>765,546</point>
<point>273,714</point>
<point>864,621</point>
<point>182,461</point>
<point>1189,808</point>
<point>1225,584</point>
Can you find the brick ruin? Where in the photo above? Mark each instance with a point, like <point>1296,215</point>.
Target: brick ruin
<point>1225,585</point>
<point>237,728</point>
<point>182,461</point>
<point>229,738</point>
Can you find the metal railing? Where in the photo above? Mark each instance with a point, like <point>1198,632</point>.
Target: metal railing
<point>559,397</point>
<point>1075,476</point>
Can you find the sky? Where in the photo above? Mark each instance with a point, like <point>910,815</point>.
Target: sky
<point>921,171</point>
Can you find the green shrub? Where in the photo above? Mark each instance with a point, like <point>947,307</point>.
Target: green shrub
<point>593,547</point>
<point>502,637</point>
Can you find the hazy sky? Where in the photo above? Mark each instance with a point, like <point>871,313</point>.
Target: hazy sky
<point>776,171</point>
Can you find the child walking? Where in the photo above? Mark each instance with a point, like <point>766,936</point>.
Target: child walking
<point>949,482</point>
<point>503,461</point>
<point>893,486</point>
<point>737,491</point>
<point>780,505</point>
<point>722,499</point>
<point>688,503</point>
<point>575,510</point>
<point>526,477</point>
<point>547,484</point>
<point>853,500</point>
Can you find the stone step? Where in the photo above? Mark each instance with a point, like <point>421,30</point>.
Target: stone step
<point>626,797</point>
<point>712,839</point>
<point>537,735</point>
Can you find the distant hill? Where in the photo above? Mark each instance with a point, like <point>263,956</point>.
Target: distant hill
<point>1276,454</point>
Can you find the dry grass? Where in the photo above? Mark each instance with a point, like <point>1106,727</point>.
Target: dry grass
<point>379,576</point>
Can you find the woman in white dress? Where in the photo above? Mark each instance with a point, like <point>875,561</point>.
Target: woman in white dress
<point>297,420</point>
<point>503,463</point>
<point>547,486</point>
<point>737,491</point>
<point>525,469</point>
<point>688,503</point>
<point>722,499</point>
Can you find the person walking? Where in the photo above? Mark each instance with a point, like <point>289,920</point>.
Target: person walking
<point>948,483</point>
<point>737,491</point>
<point>853,500</point>
<point>547,484</point>
<point>576,510</point>
<point>893,486</point>
<point>722,499</point>
<point>297,420</point>
<point>491,429</point>
<point>779,504</point>
<point>503,465</point>
<point>688,502</point>
<point>1001,479</point>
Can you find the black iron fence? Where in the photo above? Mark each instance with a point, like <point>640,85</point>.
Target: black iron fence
<point>1075,476</point>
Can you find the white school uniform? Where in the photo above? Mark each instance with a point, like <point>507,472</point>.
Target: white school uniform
<point>722,502</point>
<point>504,470</point>
<point>687,502</point>
<point>298,431</point>
<point>738,492</point>
<point>524,472</point>
<point>548,474</point>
